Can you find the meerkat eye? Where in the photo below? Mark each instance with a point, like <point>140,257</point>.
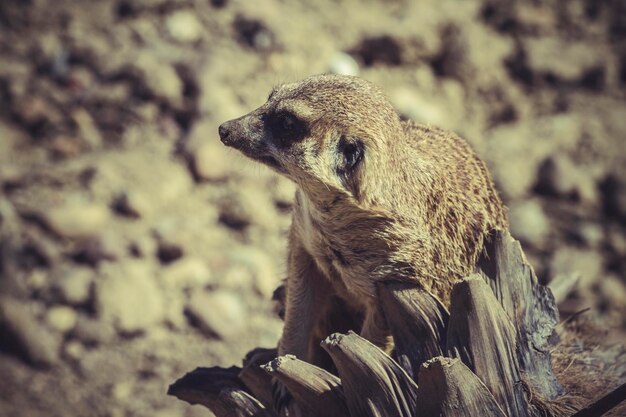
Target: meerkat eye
<point>287,122</point>
<point>286,127</point>
<point>353,154</point>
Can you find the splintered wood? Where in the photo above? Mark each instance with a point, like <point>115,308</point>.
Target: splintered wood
<point>490,355</point>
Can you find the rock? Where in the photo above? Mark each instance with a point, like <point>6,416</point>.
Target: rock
<point>591,234</point>
<point>73,285</point>
<point>283,192</point>
<point>344,64</point>
<point>61,318</point>
<point>184,26</point>
<point>74,350</point>
<point>122,390</point>
<point>613,291</point>
<point>107,246</point>
<point>587,263</point>
<point>210,161</point>
<point>187,273</point>
<point>617,240</point>
<point>160,78</point>
<point>381,49</point>
<point>131,204</point>
<point>128,296</point>
<point>258,268</point>
<point>567,61</point>
<point>77,220</point>
<point>253,33</point>
<point>557,175</point>
<point>93,332</point>
<point>250,205</point>
<point>529,222</point>
<point>417,107</point>
<point>169,251</point>
<point>24,336</point>
<point>89,132</point>
<point>221,313</point>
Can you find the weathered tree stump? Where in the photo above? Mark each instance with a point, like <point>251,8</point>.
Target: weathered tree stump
<point>530,307</point>
<point>219,390</point>
<point>254,377</point>
<point>477,324</point>
<point>418,322</point>
<point>447,388</point>
<point>317,390</point>
<point>499,332</point>
<point>368,373</point>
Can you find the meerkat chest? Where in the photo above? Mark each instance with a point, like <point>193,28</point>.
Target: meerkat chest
<point>337,253</point>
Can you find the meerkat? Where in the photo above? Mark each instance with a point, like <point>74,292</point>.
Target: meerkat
<point>378,198</point>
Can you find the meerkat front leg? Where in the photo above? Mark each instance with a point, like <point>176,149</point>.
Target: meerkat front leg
<point>307,293</point>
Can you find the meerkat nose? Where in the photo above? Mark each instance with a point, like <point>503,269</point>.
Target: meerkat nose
<point>224,132</point>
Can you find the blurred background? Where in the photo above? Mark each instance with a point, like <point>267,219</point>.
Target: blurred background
<point>135,247</point>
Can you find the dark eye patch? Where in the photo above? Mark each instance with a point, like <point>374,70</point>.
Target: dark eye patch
<point>286,128</point>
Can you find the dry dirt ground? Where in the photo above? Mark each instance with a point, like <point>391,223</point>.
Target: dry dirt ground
<point>135,247</point>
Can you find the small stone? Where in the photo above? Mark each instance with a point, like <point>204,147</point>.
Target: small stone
<point>617,239</point>
<point>77,220</point>
<point>283,191</point>
<point>128,296</point>
<point>187,273</point>
<point>343,64</point>
<point>73,285</point>
<point>575,59</point>
<point>529,222</point>
<point>587,263</point>
<point>131,205</point>
<point>63,146</point>
<point>36,279</point>
<point>417,107</point>
<point>219,313</point>
<point>253,33</point>
<point>592,234</point>
<point>74,350</point>
<point>557,175</point>
<point>259,267</point>
<point>250,205</point>
<point>88,129</point>
<point>107,246</point>
<point>613,291</point>
<point>169,252</point>
<point>184,26</point>
<point>210,162</point>
<point>61,318</point>
<point>160,78</point>
<point>122,390</point>
<point>24,336</point>
<point>93,332</point>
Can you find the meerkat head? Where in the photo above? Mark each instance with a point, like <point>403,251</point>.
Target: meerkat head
<point>320,132</point>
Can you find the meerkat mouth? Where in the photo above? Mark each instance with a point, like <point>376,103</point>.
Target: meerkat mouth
<point>263,158</point>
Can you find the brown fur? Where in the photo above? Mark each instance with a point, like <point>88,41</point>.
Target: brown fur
<point>415,206</point>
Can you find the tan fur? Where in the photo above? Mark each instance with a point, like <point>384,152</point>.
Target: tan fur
<point>416,207</point>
